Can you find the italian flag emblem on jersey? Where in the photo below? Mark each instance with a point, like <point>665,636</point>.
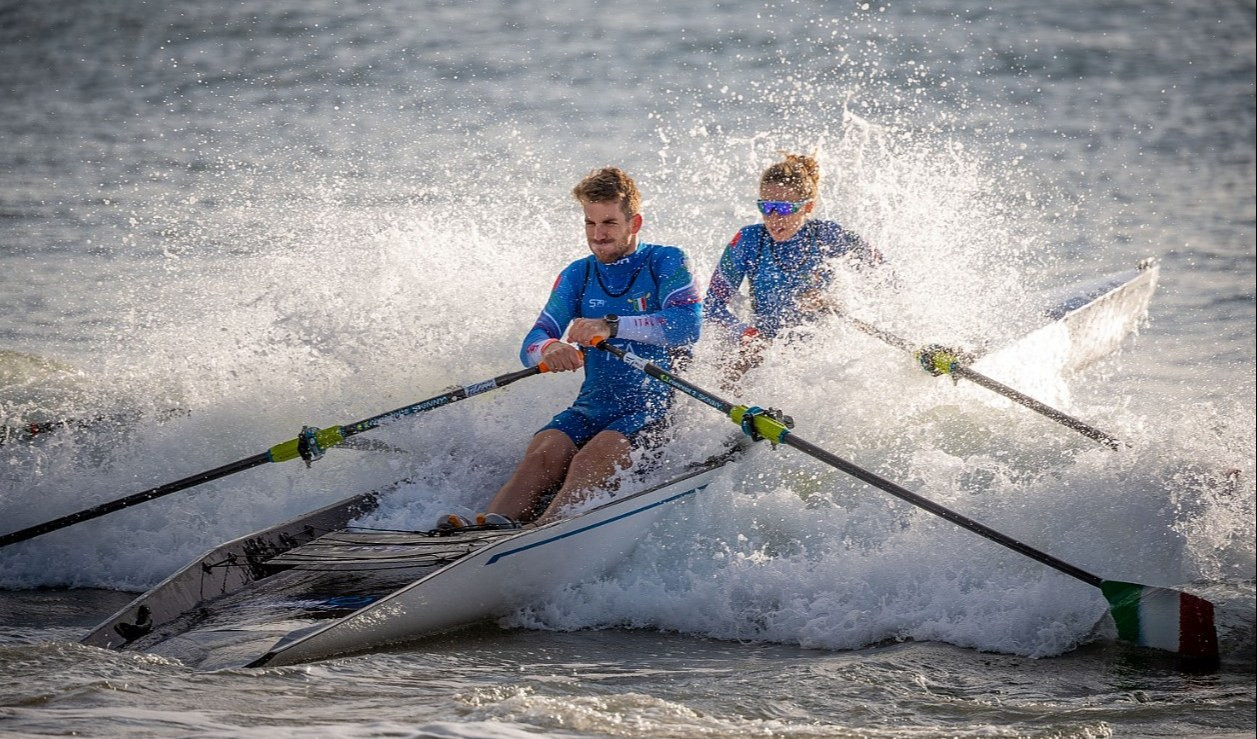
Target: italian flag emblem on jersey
<point>638,304</point>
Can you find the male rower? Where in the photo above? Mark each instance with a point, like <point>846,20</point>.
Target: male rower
<point>640,297</point>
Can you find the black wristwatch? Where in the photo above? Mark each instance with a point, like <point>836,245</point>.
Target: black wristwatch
<point>613,323</point>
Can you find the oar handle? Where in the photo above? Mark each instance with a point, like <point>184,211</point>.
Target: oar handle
<point>453,396</point>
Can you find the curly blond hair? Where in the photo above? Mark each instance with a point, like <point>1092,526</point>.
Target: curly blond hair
<point>799,172</point>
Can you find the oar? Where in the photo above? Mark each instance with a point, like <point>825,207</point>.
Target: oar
<point>309,445</point>
<point>1146,615</point>
<point>941,361</point>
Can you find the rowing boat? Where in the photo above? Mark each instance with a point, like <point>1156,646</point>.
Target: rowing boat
<point>315,587</point>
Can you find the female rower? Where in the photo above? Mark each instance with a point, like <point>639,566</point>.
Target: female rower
<point>785,261</point>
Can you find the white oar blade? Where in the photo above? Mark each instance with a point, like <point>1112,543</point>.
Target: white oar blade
<point>1162,618</point>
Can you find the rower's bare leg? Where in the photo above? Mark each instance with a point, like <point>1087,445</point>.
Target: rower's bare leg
<point>595,467</point>
<point>544,464</point>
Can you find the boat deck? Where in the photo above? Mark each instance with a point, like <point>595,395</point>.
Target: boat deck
<point>377,550</point>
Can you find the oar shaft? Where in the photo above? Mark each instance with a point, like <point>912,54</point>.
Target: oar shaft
<point>941,511</point>
<point>772,429</point>
<point>667,378</point>
<point>130,500</point>
<point>291,449</point>
<point>878,333</point>
<point>960,370</point>
<point>452,396</point>
<point>1060,417</point>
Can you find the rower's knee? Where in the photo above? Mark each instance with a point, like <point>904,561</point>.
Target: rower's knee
<point>550,451</point>
<point>607,448</point>
<point>600,461</point>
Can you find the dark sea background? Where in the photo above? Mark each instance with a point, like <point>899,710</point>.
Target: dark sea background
<point>221,221</point>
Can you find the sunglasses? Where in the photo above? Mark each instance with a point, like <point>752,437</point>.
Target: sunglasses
<point>780,207</point>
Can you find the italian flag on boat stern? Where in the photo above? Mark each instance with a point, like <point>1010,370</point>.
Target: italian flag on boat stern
<point>1162,618</point>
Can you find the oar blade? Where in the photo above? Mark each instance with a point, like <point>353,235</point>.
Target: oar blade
<point>1163,618</point>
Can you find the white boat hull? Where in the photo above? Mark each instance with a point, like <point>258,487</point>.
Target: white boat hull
<point>225,570</point>
<point>286,595</point>
<point>513,570</point>
<point>1085,324</point>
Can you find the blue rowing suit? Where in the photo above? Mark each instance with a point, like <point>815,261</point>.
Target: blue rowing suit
<point>778,273</point>
<point>653,293</point>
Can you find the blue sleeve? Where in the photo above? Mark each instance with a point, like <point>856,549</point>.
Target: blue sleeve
<point>678,321</point>
<point>559,311</point>
<point>725,282</point>
<point>837,241</point>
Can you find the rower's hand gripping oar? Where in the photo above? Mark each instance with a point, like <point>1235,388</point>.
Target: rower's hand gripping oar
<point>1145,615</point>
<point>309,445</point>
<point>939,360</point>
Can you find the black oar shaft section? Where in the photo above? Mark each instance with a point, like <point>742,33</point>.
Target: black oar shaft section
<point>130,500</point>
<point>1060,417</point>
<point>878,333</point>
<point>666,378</point>
<point>773,430</point>
<point>436,402</point>
<point>956,368</point>
<point>926,504</point>
<point>309,446</point>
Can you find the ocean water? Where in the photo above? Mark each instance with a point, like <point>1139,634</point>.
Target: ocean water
<point>220,222</point>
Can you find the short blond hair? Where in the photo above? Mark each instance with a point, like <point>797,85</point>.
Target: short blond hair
<point>799,172</point>
<point>610,185</point>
